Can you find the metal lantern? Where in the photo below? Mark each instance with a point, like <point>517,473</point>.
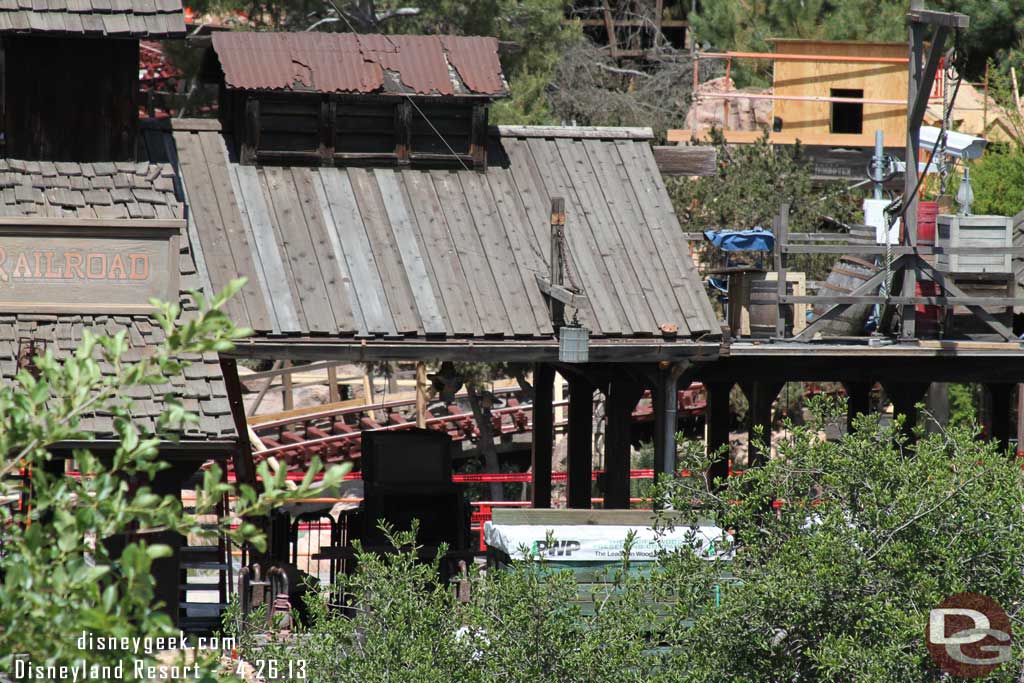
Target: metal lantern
<point>573,344</point>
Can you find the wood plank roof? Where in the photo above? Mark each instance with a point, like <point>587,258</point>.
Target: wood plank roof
<point>123,19</point>
<point>380,253</point>
<point>114,191</point>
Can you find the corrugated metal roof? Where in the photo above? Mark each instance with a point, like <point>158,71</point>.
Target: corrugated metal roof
<point>351,63</point>
<point>125,18</point>
<point>112,190</point>
<point>385,253</point>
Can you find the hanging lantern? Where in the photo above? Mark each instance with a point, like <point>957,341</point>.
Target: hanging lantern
<point>573,344</point>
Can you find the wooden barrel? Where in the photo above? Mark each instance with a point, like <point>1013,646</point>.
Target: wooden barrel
<point>849,273</point>
<point>764,308</point>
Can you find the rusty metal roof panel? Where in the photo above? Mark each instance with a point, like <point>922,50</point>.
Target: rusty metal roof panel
<point>476,60</point>
<point>366,64</point>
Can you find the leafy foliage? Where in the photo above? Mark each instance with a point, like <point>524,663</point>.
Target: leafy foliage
<point>59,575</point>
<point>835,584</point>
<point>764,176</point>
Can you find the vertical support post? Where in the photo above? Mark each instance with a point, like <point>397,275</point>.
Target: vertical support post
<point>716,430</point>
<point>251,137</point>
<point>937,404</point>
<point>332,384</point>
<point>1002,395</point>
<point>328,109</point>
<point>696,85</point>
<point>909,313</point>
<point>581,442</point>
<point>421,394</point>
<point>167,570</point>
<point>858,401</point>
<point>760,395</point>
<point>557,308</point>
<point>478,137</point>
<point>403,132</point>
<point>666,416</point>
<point>905,396</point>
<point>781,240</point>
<point>621,400</point>
<point>879,155</point>
<point>287,391</point>
<point>543,433</point>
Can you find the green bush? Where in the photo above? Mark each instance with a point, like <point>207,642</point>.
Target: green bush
<point>836,584</point>
<point>998,183</point>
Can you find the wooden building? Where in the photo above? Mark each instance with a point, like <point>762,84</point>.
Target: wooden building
<point>399,256</point>
<point>71,67</point>
<point>831,96</point>
<point>73,195</point>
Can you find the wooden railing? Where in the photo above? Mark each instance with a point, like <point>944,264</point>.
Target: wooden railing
<point>903,257</point>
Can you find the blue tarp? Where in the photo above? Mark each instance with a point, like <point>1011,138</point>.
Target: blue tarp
<point>755,239</point>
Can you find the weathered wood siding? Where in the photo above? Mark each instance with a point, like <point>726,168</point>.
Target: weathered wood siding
<point>70,99</point>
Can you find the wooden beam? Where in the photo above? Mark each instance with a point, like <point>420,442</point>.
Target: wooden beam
<point>686,160</point>
<point>520,351</point>
<point>977,308</point>
<point>869,285</point>
<point>905,396</point>
<point>245,469</point>
<point>666,415</point>
<point>578,132</point>
<point>920,103</point>
<point>621,400</point>
<point>543,433</point>
<point>717,417</point>
<point>1000,428</point>
<point>581,442</point>
<point>944,19</point>
<point>760,396</point>
<point>858,400</point>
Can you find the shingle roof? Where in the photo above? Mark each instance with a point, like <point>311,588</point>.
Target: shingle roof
<point>360,63</point>
<point>96,190</point>
<point>378,253</point>
<point>112,190</point>
<point>117,18</point>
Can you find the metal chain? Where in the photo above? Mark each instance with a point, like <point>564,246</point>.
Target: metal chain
<point>566,270</point>
<point>946,111</point>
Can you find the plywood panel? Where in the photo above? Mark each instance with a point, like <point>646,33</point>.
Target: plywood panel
<point>817,79</point>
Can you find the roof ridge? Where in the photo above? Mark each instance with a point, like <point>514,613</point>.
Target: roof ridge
<point>578,132</point>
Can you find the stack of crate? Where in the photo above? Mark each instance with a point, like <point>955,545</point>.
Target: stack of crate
<point>982,275</point>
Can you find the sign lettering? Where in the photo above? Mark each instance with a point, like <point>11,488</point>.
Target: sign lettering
<point>87,266</point>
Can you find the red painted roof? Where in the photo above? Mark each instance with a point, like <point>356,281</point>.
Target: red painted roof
<point>357,63</point>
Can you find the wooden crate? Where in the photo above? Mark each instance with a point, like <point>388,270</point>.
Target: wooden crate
<point>974,231</point>
<point>959,319</point>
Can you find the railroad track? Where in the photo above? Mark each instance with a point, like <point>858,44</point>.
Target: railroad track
<point>334,434</point>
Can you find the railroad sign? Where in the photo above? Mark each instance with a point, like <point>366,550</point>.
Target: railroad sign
<point>53,265</point>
